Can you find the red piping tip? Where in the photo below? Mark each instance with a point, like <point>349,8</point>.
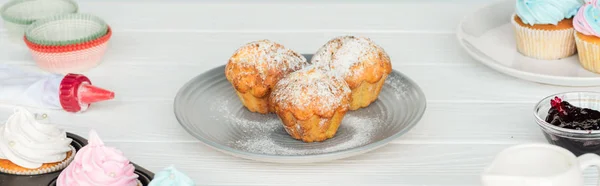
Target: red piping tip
<point>91,94</point>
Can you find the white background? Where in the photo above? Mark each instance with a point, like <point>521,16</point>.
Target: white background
<point>158,45</point>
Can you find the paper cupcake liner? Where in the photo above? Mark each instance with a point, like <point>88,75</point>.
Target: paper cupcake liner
<point>25,12</point>
<point>589,54</point>
<point>57,167</point>
<point>66,29</point>
<point>544,44</point>
<point>70,62</point>
<point>71,47</point>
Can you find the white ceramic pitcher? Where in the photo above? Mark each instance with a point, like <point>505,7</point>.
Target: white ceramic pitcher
<point>538,165</point>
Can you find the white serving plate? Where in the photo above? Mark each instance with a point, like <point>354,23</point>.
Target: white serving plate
<point>487,35</point>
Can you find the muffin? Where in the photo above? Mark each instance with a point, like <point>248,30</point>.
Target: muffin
<point>310,103</point>
<point>587,36</point>
<point>171,177</point>
<point>360,62</point>
<point>256,67</point>
<point>544,28</point>
<point>28,147</point>
<point>96,164</point>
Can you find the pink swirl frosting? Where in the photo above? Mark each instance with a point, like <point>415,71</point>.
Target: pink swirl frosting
<point>585,21</point>
<point>96,164</point>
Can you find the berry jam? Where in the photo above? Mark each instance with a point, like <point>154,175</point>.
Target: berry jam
<point>565,115</point>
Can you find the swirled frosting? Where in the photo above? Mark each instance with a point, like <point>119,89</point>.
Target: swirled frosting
<point>96,164</point>
<point>546,11</point>
<point>29,144</point>
<point>586,19</point>
<point>171,177</point>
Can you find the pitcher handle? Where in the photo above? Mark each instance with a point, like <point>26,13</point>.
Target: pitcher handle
<point>588,160</point>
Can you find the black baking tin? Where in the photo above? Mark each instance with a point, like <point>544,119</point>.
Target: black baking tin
<point>50,178</point>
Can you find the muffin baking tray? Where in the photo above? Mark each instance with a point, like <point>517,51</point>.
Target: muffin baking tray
<point>209,109</point>
<point>50,178</point>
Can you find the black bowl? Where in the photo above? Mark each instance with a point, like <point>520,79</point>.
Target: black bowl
<point>50,178</point>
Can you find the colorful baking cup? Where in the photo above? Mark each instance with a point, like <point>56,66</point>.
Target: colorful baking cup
<point>18,14</point>
<point>70,58</point>
<point>66,29</point>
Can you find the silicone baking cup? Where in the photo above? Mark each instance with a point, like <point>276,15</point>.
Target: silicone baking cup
<point>70,58</point>
<point>18,14</point>
<point>66,29</point>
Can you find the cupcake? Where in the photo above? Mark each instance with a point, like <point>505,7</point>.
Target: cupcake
<point>544,28</point>
<point>171,177</point>
<point>587,35</point>
<point>28,147</point>
<point>96,164</point>
<point>360,62</point>
<point>310,103</point>
<point>254,69</point>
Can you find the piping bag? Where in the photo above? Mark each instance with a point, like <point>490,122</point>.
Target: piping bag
<point>70,92</point>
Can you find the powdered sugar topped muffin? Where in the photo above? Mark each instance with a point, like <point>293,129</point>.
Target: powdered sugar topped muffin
<point>311,103</point>
<point>360,62</point>
<point>256,67</point>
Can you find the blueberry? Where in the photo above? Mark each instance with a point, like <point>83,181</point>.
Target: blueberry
<point>565,115</point>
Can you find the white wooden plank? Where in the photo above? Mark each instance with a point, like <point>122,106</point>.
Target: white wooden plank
<point>196,48</point>
<point>399,164</point>
<point>391,165</point>
<point>443,123</point>
<point>401,16</point>
<point>440,83</point>
<point>454,84</point>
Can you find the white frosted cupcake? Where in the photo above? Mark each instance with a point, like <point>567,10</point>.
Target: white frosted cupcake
<point>28,147</point>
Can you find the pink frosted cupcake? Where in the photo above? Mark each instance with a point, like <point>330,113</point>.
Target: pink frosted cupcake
<point>96,164</point>
<point>587,35</point>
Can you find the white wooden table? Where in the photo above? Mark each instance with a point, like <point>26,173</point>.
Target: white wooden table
<point>158,45</point>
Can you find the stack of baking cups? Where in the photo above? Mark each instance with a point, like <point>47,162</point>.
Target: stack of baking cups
<point>68,43</point>
<point>18,14</point>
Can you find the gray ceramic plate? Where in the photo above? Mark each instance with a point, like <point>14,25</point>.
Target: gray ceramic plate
<point>208,108</point>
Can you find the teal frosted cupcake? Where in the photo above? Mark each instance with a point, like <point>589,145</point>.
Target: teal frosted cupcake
<point>171,177</point>
<point>544,28</point>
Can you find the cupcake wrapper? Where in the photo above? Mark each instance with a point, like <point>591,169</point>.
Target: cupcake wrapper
<point>70,62</point>
<point>71,58</point>
<point>66,29</point>
<point>71,47</point>
<point>57,167</point>
<point>544,44</point>
<point>589,56</point>
<point>28,11</point>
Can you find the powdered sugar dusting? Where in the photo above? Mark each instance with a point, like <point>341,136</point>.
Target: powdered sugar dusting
<point>260,124</point>
<point>264,133</point>
<point>311,87</point>
<point>342,53</point>
<point>266,55</point>
<point>359,132</point>
<point>398,84</point>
